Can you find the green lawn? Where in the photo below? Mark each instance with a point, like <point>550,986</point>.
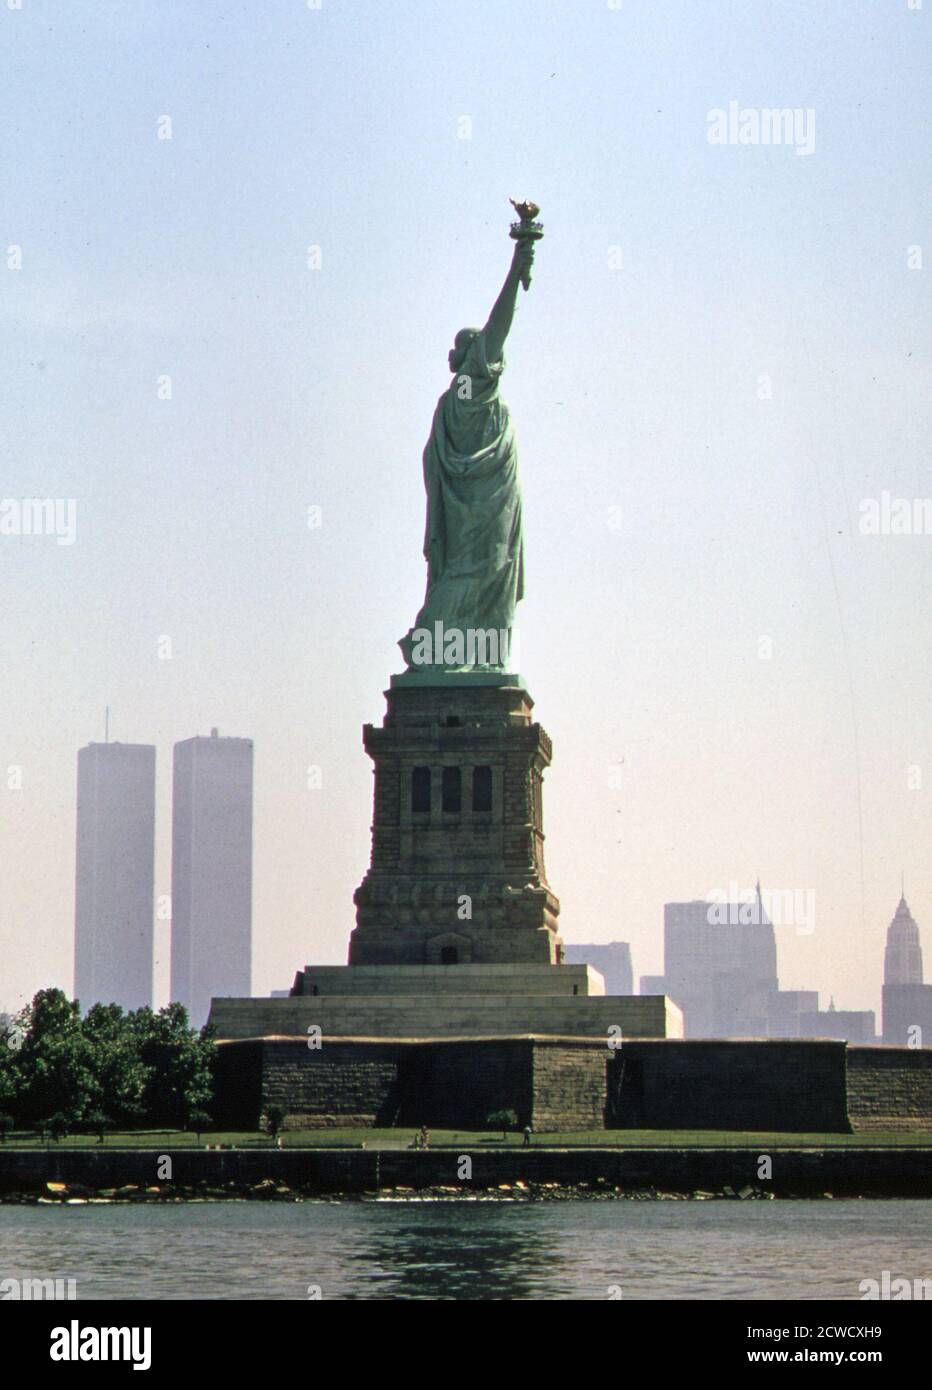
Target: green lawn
<point>445,1138</point>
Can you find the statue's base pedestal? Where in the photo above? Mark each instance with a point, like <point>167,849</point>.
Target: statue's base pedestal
<point>457,872</point>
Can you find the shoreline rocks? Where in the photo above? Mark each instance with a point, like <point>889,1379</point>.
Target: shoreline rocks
<point>267,1189</point>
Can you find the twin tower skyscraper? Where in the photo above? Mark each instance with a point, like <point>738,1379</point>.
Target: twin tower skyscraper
<point>211,873</point>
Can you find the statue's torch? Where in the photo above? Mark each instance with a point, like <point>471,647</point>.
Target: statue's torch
<point>527,229</point>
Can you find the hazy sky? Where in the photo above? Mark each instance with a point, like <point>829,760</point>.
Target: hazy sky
<point>724,352</point>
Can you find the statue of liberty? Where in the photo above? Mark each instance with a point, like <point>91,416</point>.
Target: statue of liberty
<point>474,543</point>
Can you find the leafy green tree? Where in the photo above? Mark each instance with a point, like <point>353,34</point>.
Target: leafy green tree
<point>9,1076</point>
<point>98,1122</point>
<point>274,1119</point>
<point>503,1120</point>
<point>118,1071</point>
<point>109,1069</point>
<point>59,1126</point>
<point>179,1065</point>
<point>52,1069</point>
<point>198,1120</point>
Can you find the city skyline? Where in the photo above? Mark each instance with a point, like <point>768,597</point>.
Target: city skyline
<point>902,958</point>
<point>747,906</point>
<point>102,851</point>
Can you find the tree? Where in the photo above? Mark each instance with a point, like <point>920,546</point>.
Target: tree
<point>274,1119</point>
<point>503,1120</point>
<point>198,1120</point>
<point>59,1126</point>
<point>118,1072</point>
<point>98,1121</point>
<point>6,1125</point>
<point>9,1076</point>
<point>179,1065</point>
<point>111,1068</point>
<point>52,1068</point>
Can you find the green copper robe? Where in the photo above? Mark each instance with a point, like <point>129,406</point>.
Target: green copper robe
<point>474,543</point>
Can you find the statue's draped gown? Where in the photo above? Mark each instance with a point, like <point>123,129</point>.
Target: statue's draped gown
<point>474,543</point>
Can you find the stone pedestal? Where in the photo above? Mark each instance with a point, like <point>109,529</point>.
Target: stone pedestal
<point>457,871</point>
<point>456,925</point>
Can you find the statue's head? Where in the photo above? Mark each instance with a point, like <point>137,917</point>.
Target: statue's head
<point>457,354</point>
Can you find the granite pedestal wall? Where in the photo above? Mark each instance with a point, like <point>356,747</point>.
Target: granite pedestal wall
<point>890,1088</point>
<point>360,1081</point>
<point>550,1083</point>
<point>448,1015</point>
<point>375,980</point>
<point>447,1001</point>
<point>724,1084</point>
<point>555,1083</point>
<point>570,1085</point>
<point>349,1082</point>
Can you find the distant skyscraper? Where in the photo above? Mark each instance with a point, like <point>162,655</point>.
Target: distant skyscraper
<point>720,967</point>
<point>114,874</point>
<point>612,959</point>
<point>211,871</point>
<point>907,1002</point>
<point>788,1008</point>
<point>907,1015</point>
<point>902,962</point>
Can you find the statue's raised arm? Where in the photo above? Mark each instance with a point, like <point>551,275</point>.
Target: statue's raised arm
<point>503,310</point>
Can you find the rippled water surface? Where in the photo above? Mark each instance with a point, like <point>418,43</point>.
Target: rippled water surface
<point>470,1250</point>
